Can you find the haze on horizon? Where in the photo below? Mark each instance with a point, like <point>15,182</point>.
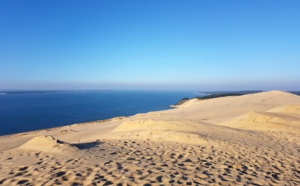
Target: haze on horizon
<point>151,45</point>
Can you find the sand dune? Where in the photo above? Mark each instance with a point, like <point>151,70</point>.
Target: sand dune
<point>158,130</point>
<point>47,144</point>
<point>182,131</point>
<point>150,124</point>
<point>289,109</point>
<point>245,140</point>
<point>224,108</point>
<point>265,121</point>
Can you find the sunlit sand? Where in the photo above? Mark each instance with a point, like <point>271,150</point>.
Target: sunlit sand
<point>242,140</point>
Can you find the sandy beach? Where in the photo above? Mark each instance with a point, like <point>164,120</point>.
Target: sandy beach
<point>240,140</point>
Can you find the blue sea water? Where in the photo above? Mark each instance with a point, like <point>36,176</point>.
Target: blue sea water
<point>27,111</point>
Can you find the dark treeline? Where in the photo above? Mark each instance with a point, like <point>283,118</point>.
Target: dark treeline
<point>218,94</point>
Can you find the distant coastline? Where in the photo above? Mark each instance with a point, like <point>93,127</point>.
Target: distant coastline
<point>218,94</point>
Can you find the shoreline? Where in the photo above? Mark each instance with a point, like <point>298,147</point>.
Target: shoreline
<point>170,107</point>
<point>54,110</point>
<point>249,139</point>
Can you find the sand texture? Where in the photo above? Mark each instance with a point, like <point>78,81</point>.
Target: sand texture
<point>245,140</point>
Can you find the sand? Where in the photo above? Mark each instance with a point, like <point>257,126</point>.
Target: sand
<point>245,140</point>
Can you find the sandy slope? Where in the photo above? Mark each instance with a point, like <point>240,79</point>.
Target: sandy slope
<point>246,140</point>
<point>266,121</point>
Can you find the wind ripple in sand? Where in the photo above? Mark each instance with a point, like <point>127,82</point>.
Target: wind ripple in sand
<point>127,162</point>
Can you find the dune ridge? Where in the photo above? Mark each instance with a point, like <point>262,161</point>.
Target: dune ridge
<point>47,144</point>
<point>275,119</point>
<point>288,109</point>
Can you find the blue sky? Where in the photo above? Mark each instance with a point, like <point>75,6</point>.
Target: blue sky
<point>150,44</point>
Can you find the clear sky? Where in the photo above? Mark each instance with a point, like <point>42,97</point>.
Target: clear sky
<point>150,44</point>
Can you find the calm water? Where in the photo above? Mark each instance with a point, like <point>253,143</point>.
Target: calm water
<point>26,111</point>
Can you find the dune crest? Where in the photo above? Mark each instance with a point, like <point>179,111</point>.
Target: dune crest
<point>151,124</point>
<point>264,121</point>
<point>274,92</point>
<point>159,130</point>
<point>289,109</point>
<point>47,144</point>
<point>187,103</point>
<point>179,131</point>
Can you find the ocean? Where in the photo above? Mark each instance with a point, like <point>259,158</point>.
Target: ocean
<point>22,111</point>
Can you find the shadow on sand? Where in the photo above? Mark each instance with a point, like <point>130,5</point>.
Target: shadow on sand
<point>88,145</point>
